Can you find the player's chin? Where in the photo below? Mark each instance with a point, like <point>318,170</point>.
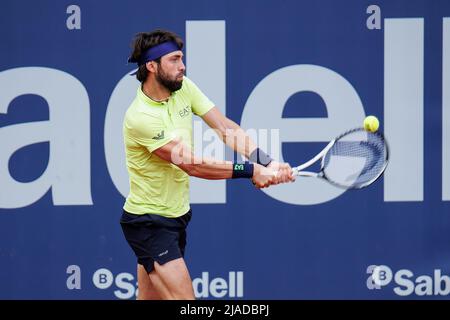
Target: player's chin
<point>179,83</point>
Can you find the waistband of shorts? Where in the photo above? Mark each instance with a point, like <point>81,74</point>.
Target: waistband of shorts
<point>159,220</point>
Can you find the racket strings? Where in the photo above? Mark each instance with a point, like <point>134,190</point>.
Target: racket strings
<point>356,159</point>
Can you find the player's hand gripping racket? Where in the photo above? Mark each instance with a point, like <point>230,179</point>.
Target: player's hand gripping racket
<point>353,160</point>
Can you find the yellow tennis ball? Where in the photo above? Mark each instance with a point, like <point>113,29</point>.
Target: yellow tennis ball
<point>371,123</point>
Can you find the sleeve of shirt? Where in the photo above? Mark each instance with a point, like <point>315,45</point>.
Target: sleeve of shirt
<point>199,101</point>
<point>149,131</point>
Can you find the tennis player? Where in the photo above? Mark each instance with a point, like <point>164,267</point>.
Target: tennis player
<point>157,133</point>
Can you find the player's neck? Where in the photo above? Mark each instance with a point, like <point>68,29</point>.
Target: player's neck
<point>155,91</point>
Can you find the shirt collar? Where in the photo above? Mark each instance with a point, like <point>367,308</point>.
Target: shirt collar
<point>149,101</point>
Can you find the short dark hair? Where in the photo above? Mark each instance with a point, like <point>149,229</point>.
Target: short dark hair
<point>145,40</point>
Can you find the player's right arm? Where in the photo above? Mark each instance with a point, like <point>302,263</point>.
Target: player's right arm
<point>147,129</point>
<point>177,153</point>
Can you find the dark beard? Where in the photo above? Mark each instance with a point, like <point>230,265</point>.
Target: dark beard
<point>171,85</point>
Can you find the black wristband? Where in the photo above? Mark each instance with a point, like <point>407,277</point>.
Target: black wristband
<point>260,157</point>
<point>242,170</point>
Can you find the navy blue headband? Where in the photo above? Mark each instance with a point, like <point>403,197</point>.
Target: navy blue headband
<point>156,52</point>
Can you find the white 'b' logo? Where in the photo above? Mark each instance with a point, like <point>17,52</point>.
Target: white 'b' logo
<point>382,275</point>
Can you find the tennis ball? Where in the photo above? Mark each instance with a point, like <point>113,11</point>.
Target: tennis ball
<point>371,123</point>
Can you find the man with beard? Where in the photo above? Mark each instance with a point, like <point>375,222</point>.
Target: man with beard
<point>157,133</point>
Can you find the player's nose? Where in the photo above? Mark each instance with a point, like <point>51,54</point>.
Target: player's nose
<point>182,67</point>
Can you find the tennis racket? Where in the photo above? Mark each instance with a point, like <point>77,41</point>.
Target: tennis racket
<point>353,160</point>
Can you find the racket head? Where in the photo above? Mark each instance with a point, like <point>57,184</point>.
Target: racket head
<point>356,159</point>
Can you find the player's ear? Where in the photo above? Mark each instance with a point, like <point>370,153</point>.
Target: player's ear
<point>151,66</point>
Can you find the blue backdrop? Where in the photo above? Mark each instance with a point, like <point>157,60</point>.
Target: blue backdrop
<point>63,79</point>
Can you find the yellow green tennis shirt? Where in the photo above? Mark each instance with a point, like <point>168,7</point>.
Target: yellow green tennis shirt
<point>158,186</point>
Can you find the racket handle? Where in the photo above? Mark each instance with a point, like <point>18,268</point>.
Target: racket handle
<point>296,172</point>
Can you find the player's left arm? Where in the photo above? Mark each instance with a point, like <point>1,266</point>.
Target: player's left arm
<point>236,138</point>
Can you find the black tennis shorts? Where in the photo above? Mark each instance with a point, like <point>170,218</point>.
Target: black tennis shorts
<point>155,238</point>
